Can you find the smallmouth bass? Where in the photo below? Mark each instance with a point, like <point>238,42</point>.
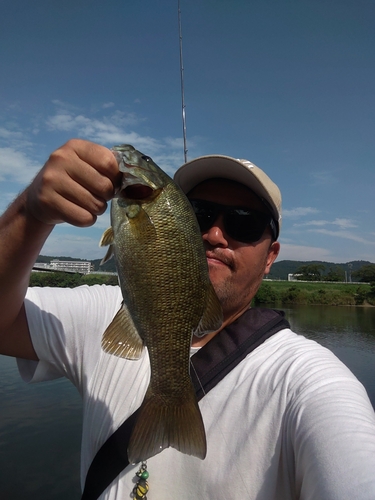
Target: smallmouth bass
<point>167,297</point>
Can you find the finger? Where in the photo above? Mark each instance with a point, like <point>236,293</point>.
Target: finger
<point>99,157</point>
<point>93,181</point>
<point>84,198</point>
<point>70,212</point>
<point>65,208</point>
<point>88,164</point>
<point>55,197</point>
<point>75,184</point>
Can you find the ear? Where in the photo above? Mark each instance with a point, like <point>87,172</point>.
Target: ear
<point>273,252</point>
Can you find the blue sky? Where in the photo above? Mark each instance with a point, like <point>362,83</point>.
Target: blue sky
<point>289,85</point>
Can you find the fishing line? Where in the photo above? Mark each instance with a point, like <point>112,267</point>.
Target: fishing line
<point>182,84</point>
<point>219,427</point>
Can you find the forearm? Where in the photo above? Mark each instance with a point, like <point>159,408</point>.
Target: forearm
<point>73,186</point>
<point>21,239</point>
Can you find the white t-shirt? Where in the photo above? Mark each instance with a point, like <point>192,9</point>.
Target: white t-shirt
<point>289,422</point>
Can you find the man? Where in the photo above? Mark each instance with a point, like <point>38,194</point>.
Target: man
<point>288,422</point>
<point>236,267</point>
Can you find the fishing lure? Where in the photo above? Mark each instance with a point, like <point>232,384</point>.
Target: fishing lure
<point>141,488</point>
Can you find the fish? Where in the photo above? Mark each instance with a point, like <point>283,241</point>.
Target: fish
<point>167,297</point>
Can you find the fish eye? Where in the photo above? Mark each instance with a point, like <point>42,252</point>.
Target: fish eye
<point>146,158</point>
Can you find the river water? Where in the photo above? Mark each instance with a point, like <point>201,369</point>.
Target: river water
<point>40,425</point>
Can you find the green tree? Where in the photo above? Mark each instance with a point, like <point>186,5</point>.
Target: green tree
<point>310,272</point>
<point>55,279</point>
<point>265,295</point>
<point>99,279</point>
<point>292,295</point>
<point>70,280</point>
<point>335,274</point>
<point>365,273</point>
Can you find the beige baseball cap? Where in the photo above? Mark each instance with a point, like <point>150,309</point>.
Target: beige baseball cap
<point>202,168</point>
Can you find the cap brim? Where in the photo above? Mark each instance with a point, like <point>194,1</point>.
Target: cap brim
<point>203,168</point>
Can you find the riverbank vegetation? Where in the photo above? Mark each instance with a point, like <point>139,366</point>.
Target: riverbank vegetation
<point>71,280</point>
<point>276,293</point>
<point>282,293</point>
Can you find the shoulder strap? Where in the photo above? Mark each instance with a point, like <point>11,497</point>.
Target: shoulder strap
<point>210,364</point>
<point>230,346</point>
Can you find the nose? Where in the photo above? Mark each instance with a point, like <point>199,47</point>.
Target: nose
<point>215,235</point>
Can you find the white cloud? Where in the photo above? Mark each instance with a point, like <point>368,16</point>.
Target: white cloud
<point>15,137</point>
<point>61,121</point>
<point>114,129</point>
<point>174,142</point>
<point>312,223</point>
<point>62,105</point>
<point>343,234</point>
<point>323,177</point>
<point>301,252</point>
<point>108,105</point>
<point>23,141</point>
<point>341,223</point>
<point>299,212</point>
<point>73,245</point>
<point>10,134</point>
<point>169,161</point>
<point>103,221</point>
<point>16,166</point>
<point>344,223</point>
<point>106,129</point>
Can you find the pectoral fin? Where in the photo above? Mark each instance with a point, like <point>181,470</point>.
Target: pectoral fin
<point>121,338</point>
<point>212,317</point>
<point>107,239</point>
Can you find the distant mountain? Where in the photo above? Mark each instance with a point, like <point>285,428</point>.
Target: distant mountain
<point>279,270</point>
<point>109,266</point>
<point>47,258</point>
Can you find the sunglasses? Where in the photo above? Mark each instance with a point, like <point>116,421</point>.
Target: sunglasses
<point>240,223</point>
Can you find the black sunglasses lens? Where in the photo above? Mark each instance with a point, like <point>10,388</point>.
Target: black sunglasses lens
<point>245,225</point>
<point>241,224</point>
<point>206,214</point>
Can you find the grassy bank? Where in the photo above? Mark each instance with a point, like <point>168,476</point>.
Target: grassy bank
<point>278,293</point>
<point>70,280</point>
<point>282,293</point>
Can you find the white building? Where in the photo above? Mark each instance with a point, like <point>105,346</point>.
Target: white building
<point>73,266</point>
<point>293,277</point>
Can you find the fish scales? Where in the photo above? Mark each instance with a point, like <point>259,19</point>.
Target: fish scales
<point>167,296</point>
<point>165,277</point>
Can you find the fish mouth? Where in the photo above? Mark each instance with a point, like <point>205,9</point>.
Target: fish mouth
<point>132,188</point>
<point>136,192</point>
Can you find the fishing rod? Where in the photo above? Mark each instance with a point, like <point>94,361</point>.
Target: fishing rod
<point>182,84</point>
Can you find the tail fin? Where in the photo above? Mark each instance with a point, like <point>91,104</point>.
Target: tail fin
<point>160,425</point>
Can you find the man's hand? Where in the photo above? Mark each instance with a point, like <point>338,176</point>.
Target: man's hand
<point>74,185</point>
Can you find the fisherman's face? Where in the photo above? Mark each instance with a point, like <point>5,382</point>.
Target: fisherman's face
<point>236,269</point>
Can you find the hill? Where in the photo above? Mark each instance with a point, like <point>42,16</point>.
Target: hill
<point>279,271</point>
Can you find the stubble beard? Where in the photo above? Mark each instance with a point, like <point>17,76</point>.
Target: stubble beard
<point>234,300</point>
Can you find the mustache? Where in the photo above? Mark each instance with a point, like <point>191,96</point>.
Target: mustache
<point>219,254</point>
